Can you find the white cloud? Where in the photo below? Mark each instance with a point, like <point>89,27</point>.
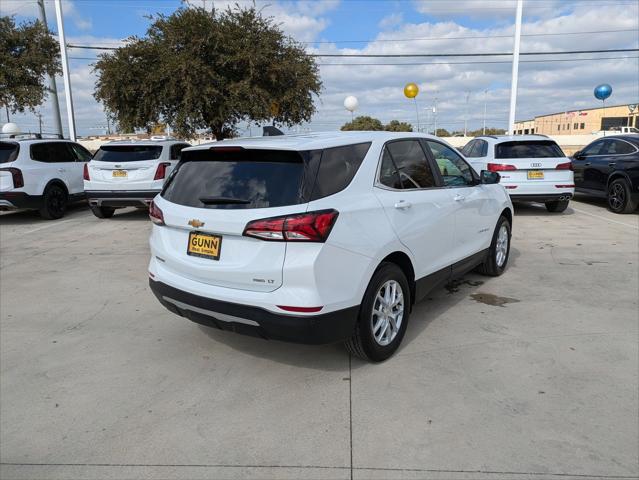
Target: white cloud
<point>30,9</point>
<point>391,21</point>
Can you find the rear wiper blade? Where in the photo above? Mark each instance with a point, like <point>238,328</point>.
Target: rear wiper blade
<point>223,201</point>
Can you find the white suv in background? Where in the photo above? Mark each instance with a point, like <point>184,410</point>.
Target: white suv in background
<point>41,174</point>
<point>129,173</point>
<point>533,168</point>
<point>323,237</point>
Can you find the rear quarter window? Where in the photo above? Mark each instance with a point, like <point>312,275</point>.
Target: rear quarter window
<point>337,168</point>
<point>128,153</point>
<point>8,152</point>
<point>528,149</point>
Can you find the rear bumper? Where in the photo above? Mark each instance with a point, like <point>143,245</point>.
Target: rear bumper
<point>319,329</point>
<point>541,197</point>
<point>18,200</point>
<point>120,198</point>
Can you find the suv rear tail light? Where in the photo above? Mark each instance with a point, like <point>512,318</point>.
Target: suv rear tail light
<point>499,167</point>
<point>303,227</point>
<point>85,173</point>
<point>16,175</point>
<point>160,173</point>
<point>564,166</point>
<point>155,214</point>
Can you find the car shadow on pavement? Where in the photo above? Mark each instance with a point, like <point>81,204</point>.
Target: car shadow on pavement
<point>130,214</point>
<point>535,209</point>
<point>597,202</point>
<point>20,217</point>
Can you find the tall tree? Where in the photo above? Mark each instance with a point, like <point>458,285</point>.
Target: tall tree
<point>363,123</point>
<point>198,69</point>
<point>28,54</point>
<point>397,126</point>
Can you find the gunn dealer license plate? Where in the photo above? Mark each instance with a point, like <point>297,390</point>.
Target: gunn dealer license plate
<point>204,245</point>
<point>535,175</point>
<point>120,173</point>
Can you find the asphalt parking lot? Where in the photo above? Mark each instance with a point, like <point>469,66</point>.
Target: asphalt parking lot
<point>530,375</point>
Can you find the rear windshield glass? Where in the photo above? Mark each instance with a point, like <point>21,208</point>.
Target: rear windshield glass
<point>221,178</point>
<point>127,153</point>
<point>234,178</point>
<point>8,152</point>
<point>530,149</point>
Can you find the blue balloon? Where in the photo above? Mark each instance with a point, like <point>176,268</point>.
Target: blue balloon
<point>603,91</point>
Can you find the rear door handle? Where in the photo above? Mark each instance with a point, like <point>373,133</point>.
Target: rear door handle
<point>402,204</point>
<point>459,198</point>
<point>587,164</point>
<point>61,170</point>
<point>612,164</point>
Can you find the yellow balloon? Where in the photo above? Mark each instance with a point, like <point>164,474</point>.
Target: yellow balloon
<point>411,90</point>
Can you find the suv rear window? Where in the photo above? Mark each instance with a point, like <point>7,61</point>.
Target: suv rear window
<point>8,152</point>
<point>236,178</point>
<point>528,149</point>
<point>127,153</point>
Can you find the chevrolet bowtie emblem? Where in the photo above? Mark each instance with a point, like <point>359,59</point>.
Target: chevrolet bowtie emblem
<point>195,223</point>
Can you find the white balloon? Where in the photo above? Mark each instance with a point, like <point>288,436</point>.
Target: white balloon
<point>351,103</point>
<point>10,129</point>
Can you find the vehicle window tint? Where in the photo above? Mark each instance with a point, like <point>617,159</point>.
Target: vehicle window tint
<point>454,170</point>
<point>127,153</point>
<point>8,152</point>
<point>176,149</point>
<point>618,147</point>
<point>54,152</point>
<point>388,173</point>
<point>468,148</point>
<point>594,148</point>
<point>410,164</point>
<point>478,149</point>
<point>528,149</point>
<point>81,153</point>
<point>337,168</point>
<point>257,178</point>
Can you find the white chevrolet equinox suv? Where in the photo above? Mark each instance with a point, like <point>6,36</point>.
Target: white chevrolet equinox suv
<point>533,168</point>
<point>321,238</point>
<point>129,173</point>
<point>43,174</point>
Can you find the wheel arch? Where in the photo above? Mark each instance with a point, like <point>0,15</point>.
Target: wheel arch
<point>507,212</point>
<point>59,183</point>
<point>618,174</point>
<point>404,262</point>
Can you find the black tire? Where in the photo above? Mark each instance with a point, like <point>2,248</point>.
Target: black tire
<point>557,206</point>
<point>620,198</point>
<point>103,212</point>
<point>54,202</point>
<point>363,343</point>
<point>491,265</point>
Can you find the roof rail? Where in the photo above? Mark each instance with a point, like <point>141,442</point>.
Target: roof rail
<point>38,136</point>
<point>489,136</point>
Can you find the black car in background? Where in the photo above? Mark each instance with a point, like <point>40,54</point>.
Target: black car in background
<point>609,168</point>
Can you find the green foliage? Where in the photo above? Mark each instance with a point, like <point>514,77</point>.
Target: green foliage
<point>28,54</point>
<point>442,132</point>
<point>198,69</point>
<point>489,131</point>
<point>363,123</point>
<point>397,126</point>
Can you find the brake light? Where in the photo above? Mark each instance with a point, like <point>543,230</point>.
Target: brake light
<point>160,173</point>
<point>499,167</point>
<point>564,166</point>
<point>85,173</point>
<point>303,227</point>
<point>16,175</point>
<point>155,214</point>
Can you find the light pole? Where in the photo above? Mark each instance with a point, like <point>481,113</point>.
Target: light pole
<point>466,115</point>
<point>53,88</point>
<point>65,69</point>
<point>485,102</point>
<point>515,76</point>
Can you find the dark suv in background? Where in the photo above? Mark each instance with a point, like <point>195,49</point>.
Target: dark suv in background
<point>609,168</point>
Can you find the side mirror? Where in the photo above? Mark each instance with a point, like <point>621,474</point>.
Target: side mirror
<point>578,155</point>
<point>489,178</point>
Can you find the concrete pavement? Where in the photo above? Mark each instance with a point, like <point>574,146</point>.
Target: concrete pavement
<point>530,375</point>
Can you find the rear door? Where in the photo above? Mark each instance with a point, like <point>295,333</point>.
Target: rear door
<point>475,207</point>
<point>215,193</point>
<point>56,160</point>
<point>420,212</point>
<point>126,166</point>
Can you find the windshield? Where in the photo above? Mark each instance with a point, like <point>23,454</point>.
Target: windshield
<point>528,149</point>
<point>8,152</point>
<point>127,153</point>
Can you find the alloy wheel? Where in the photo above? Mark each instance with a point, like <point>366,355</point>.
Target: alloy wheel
<point>388,312</point>
<point>617,196</point>
<point>501,247</point>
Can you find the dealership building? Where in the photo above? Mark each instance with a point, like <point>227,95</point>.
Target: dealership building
<point>581,122</point>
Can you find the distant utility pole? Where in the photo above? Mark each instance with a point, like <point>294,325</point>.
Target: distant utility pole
<point>39,115</point>
<point>65,69</point>
<point>485,102</point>
<point>435,115</point>
<point>466,115</point>
<point>515,77</point>
<point>53,89</point>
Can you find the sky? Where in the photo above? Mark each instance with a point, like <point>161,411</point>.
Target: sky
<point>459,88</point>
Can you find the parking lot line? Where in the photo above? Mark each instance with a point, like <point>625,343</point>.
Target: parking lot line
<point>634,227</point>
